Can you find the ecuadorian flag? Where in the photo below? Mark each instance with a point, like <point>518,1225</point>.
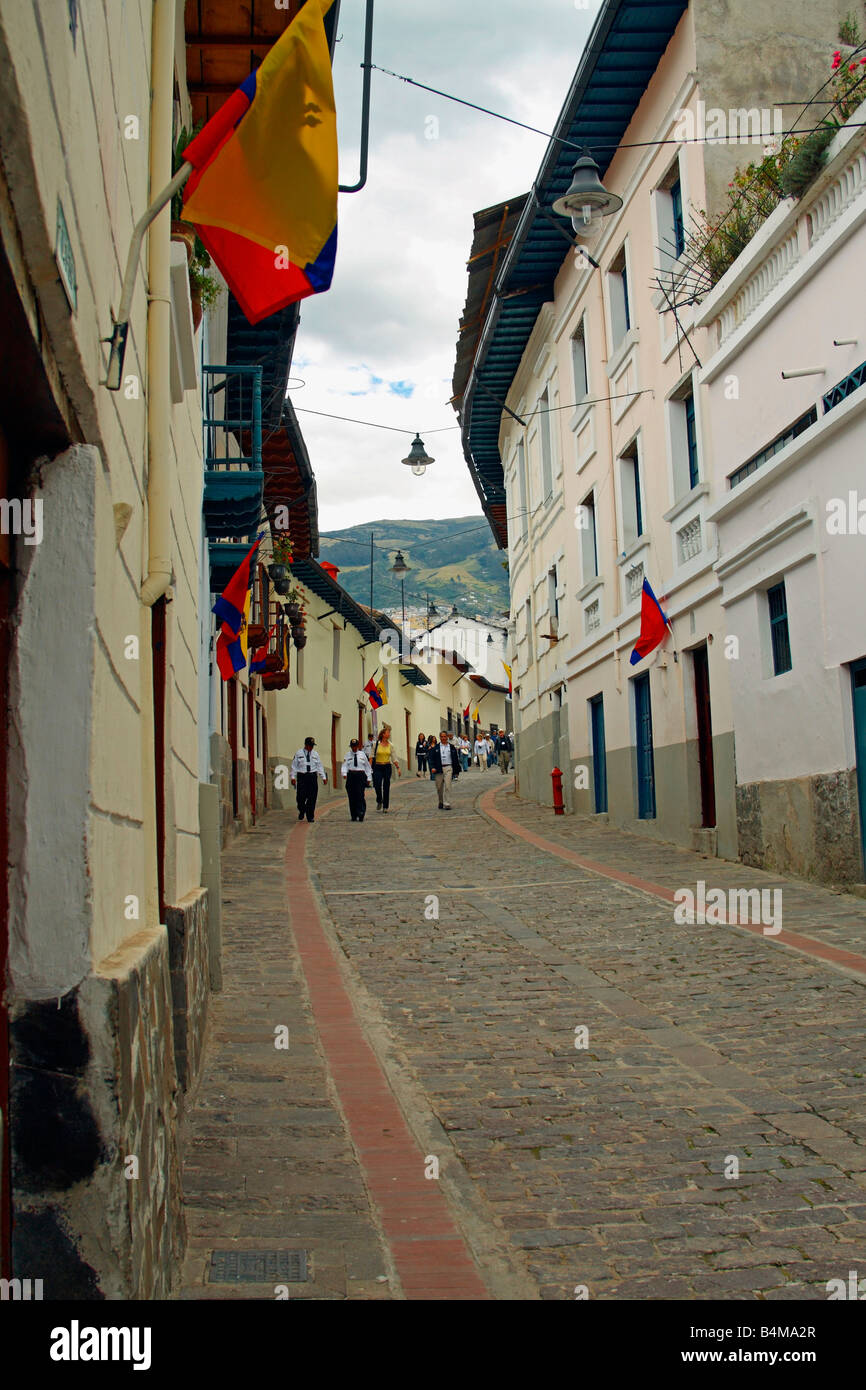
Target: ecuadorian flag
<point>376,691</point>
<point>263,191</point>
<point>233,610</point>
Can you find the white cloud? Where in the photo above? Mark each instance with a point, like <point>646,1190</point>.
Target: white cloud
<point>391,317</point>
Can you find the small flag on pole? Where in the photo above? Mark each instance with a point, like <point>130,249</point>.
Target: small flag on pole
<point>653,625</point>
<point>263,191</point>
<point>476,715</point>
<point>508,674</point>
<point>376,692</point>
<point>257,661</point>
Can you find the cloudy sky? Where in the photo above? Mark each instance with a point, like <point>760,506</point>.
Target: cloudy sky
<point>380,344</point>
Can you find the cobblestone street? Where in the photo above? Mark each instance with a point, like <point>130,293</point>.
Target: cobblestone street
<point>704,1137</point>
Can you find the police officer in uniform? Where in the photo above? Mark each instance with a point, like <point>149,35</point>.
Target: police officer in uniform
<point>305,773</point>
<point>358,776</point>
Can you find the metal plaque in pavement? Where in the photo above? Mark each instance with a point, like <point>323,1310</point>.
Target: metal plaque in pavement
<point>258,1267</point>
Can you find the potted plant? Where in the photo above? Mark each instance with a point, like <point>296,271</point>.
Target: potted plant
<point>293,606</point>
<point>282,548</point>
<point>204,288</point>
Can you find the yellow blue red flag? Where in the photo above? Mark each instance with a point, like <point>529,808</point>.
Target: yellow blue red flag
<point>233,610</point>
<point>263,191</point>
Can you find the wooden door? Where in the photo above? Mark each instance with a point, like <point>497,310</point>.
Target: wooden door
<point>705,736</point>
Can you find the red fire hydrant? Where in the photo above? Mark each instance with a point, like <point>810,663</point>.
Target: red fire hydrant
<point>556,777</point>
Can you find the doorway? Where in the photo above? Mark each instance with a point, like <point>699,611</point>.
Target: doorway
<point>705,736</point>
<point>646,782</point>
<point>335,733</point>
<point>599,752</point>
<point>231,700</point>
<point>858,680</point>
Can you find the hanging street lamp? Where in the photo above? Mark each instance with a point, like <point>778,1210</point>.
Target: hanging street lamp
<point>586,201</point>
<point>417,459</point>
<point>401,569</point>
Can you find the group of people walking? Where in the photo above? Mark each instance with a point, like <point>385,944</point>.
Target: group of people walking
<point>485,751</point>
<point>372,766</point>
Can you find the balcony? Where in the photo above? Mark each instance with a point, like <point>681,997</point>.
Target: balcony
<point>234,478</point>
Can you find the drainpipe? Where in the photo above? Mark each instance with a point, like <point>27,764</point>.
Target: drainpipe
<point>159,311</point>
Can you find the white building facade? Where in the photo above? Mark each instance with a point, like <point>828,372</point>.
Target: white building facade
<point>784,395</point>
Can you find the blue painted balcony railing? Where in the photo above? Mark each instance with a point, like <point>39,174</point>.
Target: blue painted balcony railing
<point>233,479</point>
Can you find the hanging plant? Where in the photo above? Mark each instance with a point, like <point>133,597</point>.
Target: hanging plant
<point>281,546</point>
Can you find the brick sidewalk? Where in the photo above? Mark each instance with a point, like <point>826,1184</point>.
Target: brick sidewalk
<point>268,1163</point>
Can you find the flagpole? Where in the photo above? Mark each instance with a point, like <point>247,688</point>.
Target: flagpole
<point>121,322</point>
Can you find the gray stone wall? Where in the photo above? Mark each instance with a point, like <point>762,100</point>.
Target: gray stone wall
<point>806,826</point>
<point>96,1180</point>
<point>538,749</point>
<point>189,959</point>
<point>221,774</point>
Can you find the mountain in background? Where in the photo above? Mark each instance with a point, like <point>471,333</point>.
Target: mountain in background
<point>454,561</point>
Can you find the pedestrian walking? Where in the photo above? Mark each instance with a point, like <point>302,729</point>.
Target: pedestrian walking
<point>421,755</point>
<point>305,773</point>
<point>491,753</point>
<point>358,776</point>
<point>383,760</point>
<point>465,751</point>
<point>505,751</point>
<point>431,744</point>
<point>445,766</point>
<point>479,749</point>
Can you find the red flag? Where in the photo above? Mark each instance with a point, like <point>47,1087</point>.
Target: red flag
<point>653,625</point>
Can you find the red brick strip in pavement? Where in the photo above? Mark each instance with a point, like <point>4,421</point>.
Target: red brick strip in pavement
<point>808,945</point>
<point>429,1252</point>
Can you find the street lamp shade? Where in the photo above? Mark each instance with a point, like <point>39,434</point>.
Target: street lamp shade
<point>399,566</point>
<point>586,201</point>
<point>418,459</point>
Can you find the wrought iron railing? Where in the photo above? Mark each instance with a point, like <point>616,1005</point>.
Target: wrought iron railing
<point>239,426</point>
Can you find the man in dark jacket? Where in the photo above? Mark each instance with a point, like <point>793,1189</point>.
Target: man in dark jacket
<point>444,763</point>
<point>505,751</point>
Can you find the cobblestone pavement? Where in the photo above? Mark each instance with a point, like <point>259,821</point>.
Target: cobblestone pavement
<point>607,1165</point>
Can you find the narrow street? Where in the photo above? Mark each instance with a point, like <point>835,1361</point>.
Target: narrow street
<point>703,1138</point>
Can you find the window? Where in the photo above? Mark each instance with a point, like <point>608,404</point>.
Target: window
<point>620,316</point>
<point>299,668</point>
<point>450,725</point>
<point>589,538</point>
<point>335,654</point>
<point>258,730</point>
<point>691,440</point>
<point>527,610</point>
<point>521,488</point>
<point>778,606</point>
<point>684,441</point>
<point>578,364</point>
<point>243,716</point>
<point>546,446</point>
<point>764,455</point>
<point>632,507</point>
<point>668,199</point>
<point>552,600</point>
<point>679,237</point>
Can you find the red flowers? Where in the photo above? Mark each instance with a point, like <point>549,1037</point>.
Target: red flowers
<point>837,58</point>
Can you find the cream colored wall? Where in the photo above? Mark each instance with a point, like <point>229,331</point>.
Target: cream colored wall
<point>64,110</point>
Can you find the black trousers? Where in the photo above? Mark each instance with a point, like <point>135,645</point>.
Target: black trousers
<point>382,784</point>
<point>422,762</point>
<point>356,786</point>
<point>308,790</point>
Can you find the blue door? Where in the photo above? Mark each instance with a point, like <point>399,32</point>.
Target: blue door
<point>646,782</point>
<point>599,753</point>
<point>858,677</point>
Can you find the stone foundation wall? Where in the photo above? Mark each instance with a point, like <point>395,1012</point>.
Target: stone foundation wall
<point>538,749</point>
<point>189,959</point>
<point>221,774</point>
<point>806,826</point>
<point>96,1179</point>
